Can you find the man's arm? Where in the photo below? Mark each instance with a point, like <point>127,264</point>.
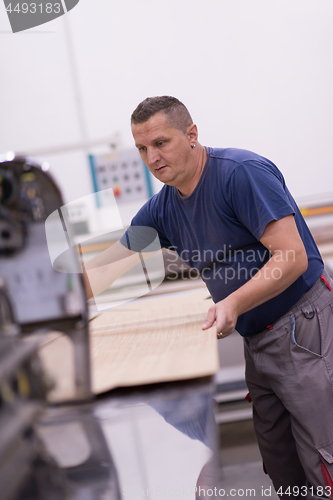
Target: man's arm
<point>288,262</point>
<point>101,271</point>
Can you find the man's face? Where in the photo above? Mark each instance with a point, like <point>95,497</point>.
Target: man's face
<point>166,151</point>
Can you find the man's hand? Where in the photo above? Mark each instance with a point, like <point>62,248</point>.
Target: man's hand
<point>224,314</point>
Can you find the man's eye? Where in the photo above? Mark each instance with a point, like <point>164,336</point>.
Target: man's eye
<point>142,149</point>
<point>160,143</point>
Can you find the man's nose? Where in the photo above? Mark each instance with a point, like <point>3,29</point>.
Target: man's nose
<point>152,155</point>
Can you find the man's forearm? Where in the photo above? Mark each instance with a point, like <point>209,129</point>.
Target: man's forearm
<point>281,237</point>
<point>272,279</point>
<point>101,277</point>
<point>105,268</point>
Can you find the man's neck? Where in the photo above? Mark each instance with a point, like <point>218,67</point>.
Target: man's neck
<point>200,161</point>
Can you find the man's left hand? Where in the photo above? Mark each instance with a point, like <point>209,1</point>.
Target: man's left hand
<point>225,315</point>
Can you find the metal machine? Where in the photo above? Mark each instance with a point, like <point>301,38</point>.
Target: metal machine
<point>25,468</point>
<point>35,299</point>
<point>41,297</point>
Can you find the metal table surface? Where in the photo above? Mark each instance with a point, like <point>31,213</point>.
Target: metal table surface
<point>151,441</point>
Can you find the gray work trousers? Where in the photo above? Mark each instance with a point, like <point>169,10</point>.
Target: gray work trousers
<point>289,373</point>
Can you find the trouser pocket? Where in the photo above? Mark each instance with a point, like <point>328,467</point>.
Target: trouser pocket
<point>306,331</point>
<point>326,458</point>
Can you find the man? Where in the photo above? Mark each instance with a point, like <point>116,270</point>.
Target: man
<point>230,212</point>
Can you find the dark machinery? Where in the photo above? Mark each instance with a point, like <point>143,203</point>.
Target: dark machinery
<point>24,465</point>
<point>42,297</point>
<point>40,293</point>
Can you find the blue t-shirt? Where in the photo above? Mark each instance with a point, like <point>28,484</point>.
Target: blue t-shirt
<point>217,228</point>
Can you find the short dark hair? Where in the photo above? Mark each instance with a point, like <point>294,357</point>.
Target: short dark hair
<point>177,114</point>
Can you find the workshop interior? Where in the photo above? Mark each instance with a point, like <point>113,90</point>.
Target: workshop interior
<point>86,412</point>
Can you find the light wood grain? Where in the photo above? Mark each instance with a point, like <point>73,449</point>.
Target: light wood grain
<point>157,340</point>
<point>143,342</point>
<point>57,357</point>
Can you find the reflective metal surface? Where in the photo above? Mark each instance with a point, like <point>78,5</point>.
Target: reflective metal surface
<point>154,441</point>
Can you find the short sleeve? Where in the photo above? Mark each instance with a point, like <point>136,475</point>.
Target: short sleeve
<point>258,196</point>
<point>142,232</point>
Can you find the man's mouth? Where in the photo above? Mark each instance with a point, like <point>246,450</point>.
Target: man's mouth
<point>159,169</point>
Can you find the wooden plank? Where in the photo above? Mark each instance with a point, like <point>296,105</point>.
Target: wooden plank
<point>143,342</point>
<point>151,341</point>
<point>57,357</point>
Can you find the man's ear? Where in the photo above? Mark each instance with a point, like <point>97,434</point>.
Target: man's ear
<point>192,132</point>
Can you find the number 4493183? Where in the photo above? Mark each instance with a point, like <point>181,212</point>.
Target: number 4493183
<point>34,8</point>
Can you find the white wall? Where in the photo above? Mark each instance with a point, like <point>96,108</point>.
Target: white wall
<point>256,74</point>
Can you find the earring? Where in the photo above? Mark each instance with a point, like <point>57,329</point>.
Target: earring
<point>192,146</point>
